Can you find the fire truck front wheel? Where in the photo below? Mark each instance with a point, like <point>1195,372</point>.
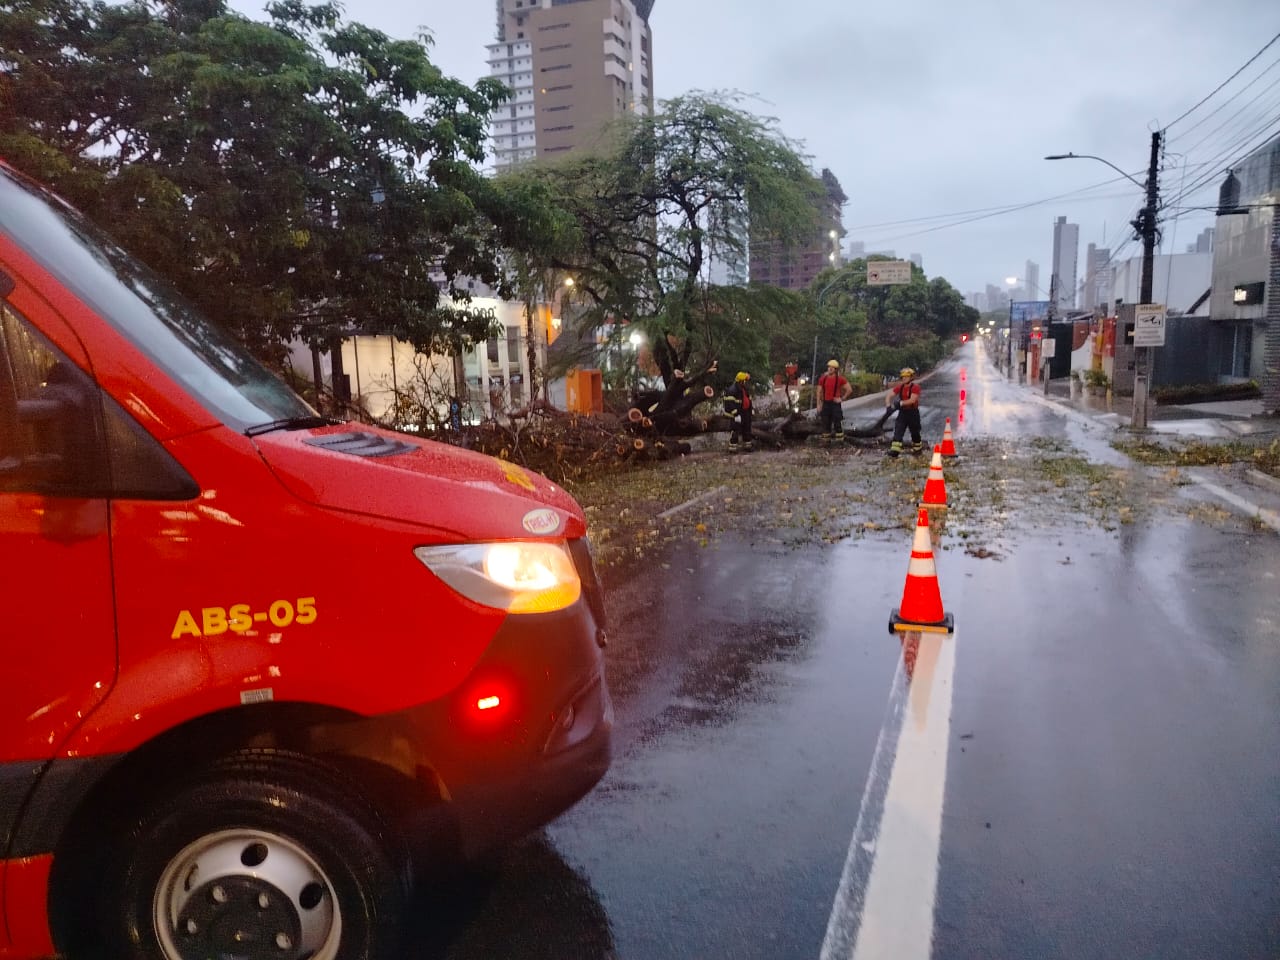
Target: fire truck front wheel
<point>263,855</point>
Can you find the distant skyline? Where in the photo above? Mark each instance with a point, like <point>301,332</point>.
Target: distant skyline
<point>948,108</point>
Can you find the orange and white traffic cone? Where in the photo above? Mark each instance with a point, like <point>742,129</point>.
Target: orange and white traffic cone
<point>935,488</point>
<point>948,442</point>
<point>921,607</point>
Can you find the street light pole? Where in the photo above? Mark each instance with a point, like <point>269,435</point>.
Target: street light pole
<point>814,380</point>
<point>1145,225</point>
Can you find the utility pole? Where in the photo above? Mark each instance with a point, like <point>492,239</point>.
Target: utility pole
<point>1146,228</point>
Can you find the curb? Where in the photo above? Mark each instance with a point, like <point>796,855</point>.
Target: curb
<point>1260,479</point>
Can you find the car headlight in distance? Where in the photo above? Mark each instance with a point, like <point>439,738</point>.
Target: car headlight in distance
<point>517,576</point>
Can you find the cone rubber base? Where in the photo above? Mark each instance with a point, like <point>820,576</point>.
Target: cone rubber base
<point>897,625</point>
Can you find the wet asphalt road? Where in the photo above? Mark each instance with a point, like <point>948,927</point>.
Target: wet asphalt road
<point>1111,763</point>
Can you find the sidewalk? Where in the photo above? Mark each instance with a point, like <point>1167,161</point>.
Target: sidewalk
<point>1222,420</point>
<point>1247,490</point>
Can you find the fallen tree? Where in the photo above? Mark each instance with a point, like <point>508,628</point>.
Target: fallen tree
<point>567,446</point>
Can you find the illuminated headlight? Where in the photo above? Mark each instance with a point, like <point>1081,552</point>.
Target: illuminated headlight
<point>519,576</point>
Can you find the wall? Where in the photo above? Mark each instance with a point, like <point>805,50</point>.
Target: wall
<point>1178,279</point>
<point>1182,359</point>
<point>496,371</point>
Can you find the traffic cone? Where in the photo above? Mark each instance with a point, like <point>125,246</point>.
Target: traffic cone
<point>935,488</point>
<point>948,442</point>
<point>921,607</point>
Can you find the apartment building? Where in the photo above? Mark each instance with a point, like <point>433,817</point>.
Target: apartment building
<point>795,267</point>
<point>574,66</point>
<point>1066,256</point>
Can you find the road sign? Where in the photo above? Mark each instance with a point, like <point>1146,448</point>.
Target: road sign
<point>1148,325</point>
<point>884,272</point>
<point>1048,349</point>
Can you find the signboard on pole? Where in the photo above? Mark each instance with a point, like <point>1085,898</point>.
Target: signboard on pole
<point>1148,325</point>
<point>1048,348</point>
<point>882,273</point>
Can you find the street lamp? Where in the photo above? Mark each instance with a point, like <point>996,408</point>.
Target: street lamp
<point>1145,226</point>
<point>821,294</point>
<point>1008,346</point>
<point>637,341</point>
<point>1090,156</point>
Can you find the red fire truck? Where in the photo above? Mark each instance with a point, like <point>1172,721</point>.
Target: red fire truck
<point>259,667</point>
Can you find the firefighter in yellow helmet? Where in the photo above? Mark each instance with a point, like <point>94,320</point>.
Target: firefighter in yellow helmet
<point>737,404</point>
<point>905,398</point>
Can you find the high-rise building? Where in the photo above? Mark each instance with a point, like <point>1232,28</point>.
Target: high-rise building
<point>857,249</point>
<point>573,66</point>
<point>1096,283</point>
<point>1032,278</point>
<point>917,259</point>
<point>794,267</point>
<point>1066,253</point>
<point>1203,243</point>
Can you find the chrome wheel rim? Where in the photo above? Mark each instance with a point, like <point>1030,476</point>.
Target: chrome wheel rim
<point>246,894</point>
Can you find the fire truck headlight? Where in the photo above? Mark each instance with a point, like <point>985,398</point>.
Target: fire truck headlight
<point>516,576</point>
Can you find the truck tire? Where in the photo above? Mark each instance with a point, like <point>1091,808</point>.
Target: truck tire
<point>264,854</point>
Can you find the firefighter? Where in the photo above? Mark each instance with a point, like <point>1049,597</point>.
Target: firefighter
<point>737,404</point>
<point>905,398</point>
<point>833,390</point>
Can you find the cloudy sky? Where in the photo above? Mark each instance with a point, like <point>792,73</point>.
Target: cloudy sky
<point>927,110</point>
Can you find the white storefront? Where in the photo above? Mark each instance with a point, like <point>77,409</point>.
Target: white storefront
<point>495,372</point>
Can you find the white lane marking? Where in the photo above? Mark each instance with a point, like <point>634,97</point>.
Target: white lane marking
<point>1269,517</point>
<point>890,917</point>
<point>846,911</point>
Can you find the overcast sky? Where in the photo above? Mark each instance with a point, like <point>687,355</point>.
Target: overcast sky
<point>943,106</point>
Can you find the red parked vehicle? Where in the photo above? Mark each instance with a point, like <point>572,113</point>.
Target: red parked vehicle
<point>258,666</point>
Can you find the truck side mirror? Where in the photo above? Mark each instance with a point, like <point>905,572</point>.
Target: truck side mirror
<point>61,448</point>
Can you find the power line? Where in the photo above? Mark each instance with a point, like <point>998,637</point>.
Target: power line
<point>1224,82</point>
<point>981,210</point>
<point>1238,150</point>
<point>1270,105</point>
<point>1000,212</point>
<point>1221,106</point>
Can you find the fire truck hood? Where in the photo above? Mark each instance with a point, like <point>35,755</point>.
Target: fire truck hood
<point>458,494</point>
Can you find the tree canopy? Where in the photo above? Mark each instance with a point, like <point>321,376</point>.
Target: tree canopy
<point>664,202</point>
<point>878,328</point>
<point>306,175</point>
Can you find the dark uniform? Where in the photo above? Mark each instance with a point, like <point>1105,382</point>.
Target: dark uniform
<point>906,397</point>
<point>833,390</point>
<point>737,404</point>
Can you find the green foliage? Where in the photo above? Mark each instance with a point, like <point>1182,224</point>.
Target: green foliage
<point>865,383</point>
<point>879,328</point>
<point>1206,392</point>
<point>1199,453</point>
<point>665,197</point>
<point>919,355</point>
<point>315,173</point>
